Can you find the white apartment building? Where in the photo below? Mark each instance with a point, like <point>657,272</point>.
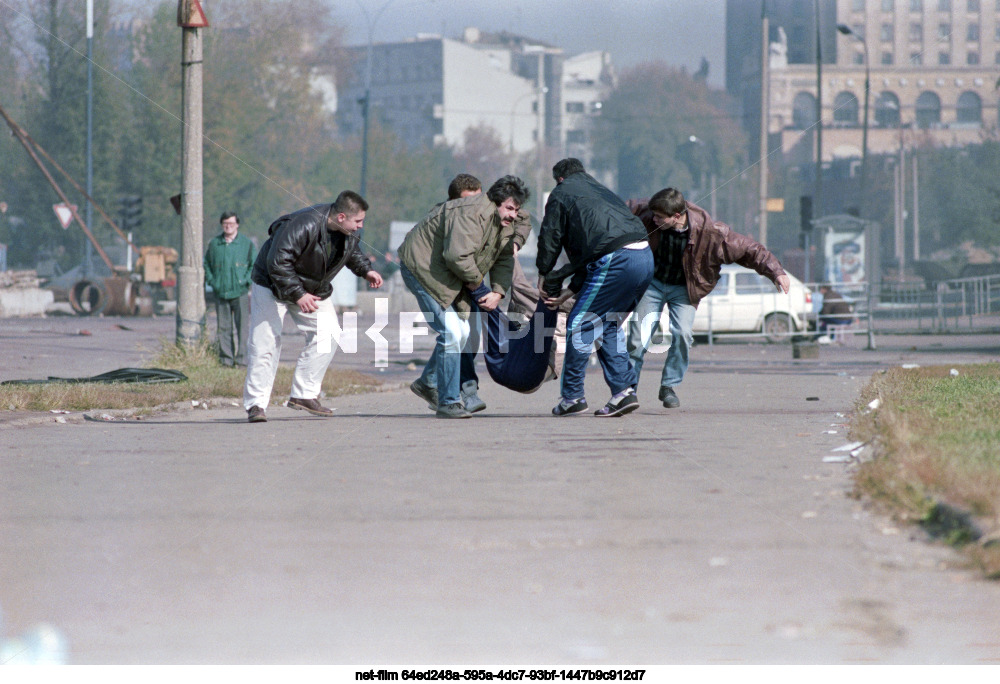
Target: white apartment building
<point>431,89</point>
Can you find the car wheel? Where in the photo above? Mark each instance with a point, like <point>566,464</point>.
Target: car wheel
<point>778,328</point>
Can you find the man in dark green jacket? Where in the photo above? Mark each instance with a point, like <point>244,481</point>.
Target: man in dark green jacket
<point>228,262</point>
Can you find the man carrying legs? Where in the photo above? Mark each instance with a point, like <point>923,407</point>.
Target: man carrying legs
<point>446,257</point>
<point>611,265</point>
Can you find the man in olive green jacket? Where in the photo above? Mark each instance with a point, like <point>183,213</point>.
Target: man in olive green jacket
<point>446,257</point>
<point>228,262</point>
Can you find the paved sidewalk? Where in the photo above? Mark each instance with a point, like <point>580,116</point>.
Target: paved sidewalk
<point>713,533</point>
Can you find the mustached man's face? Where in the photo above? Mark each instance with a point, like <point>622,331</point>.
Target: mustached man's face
<point>508,211</point>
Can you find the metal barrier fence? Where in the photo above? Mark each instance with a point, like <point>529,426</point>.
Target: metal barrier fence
<point>954,306</point>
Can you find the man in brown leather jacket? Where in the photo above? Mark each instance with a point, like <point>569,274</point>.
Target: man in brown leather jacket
<point>688,249</point>
<point>293,274</point>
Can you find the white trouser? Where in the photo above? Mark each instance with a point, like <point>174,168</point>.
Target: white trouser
<point>267,315</point>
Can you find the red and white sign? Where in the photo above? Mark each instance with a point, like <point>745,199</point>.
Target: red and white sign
<point>190,14</point>
<point>64,213</point>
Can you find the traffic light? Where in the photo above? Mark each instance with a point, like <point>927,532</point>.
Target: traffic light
<point>131,209</point>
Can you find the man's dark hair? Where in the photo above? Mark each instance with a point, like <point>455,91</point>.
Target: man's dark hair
<point>509,187</point>
<point>669,201</point>
<point>229,215</point>
<point>349,203</point>
<point>564,168</point>
<point>461,183</point>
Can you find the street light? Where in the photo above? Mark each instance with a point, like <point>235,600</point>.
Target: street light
<point>848,31</point>
<point>366,101</point>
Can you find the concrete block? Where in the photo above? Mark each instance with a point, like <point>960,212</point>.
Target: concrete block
<point>24,301</point>
<point>805,350</point>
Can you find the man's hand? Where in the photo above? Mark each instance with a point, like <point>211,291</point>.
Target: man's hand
<point>308,303</point>
<point>374,279</point>
<point>489,302</point>
<point>783,282</point>
<point>555,302</point>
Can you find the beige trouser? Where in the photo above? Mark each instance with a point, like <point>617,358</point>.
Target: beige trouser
<point>267,316</point>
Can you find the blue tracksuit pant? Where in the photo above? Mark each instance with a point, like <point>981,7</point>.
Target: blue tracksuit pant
<point>614,285</point>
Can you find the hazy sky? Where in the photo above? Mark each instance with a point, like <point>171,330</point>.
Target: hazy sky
<point>678,32</point>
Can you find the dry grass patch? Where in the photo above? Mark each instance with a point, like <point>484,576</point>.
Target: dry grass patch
<point>207,378</point>
<point>937,463</point>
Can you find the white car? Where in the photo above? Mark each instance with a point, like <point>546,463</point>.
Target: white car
<point>745,302</point>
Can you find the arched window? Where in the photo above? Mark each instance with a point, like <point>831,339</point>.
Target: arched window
<point>928,109</point>
<point>803,111</point>
<point>845,109</point>
<point>969,109</point>
<point>887,110</point>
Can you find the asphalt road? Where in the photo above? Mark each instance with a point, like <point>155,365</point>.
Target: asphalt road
<point>713,533</point>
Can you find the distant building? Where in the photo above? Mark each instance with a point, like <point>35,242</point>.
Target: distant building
<point>932,67</point>
<point>586,80</point>
<point>430,90</point>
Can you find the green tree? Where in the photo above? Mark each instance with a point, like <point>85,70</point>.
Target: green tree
<point>646,125</point>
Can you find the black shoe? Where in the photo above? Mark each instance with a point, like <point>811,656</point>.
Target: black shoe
<point>618,407</point>
<point>428,394</point>
<point>255,414</point>
<point>668,398</point>
<point>565,408</point>
<point>311,405</point>
<point>455,410</point>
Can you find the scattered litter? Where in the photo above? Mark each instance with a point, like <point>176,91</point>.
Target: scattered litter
<point>104,418</point>
<point>850,446</point>
<point>954,372</point>
<point>839,415</point>
<point>718,562</point>
<point>194,403</point>
<point>60,419</point>
<point>812,398</point>
<point>874,404</point>
<point>846,458</point>
<point>84,333</point>
<point>411,366</point>
<point>809,514</point>
<point>908,366</point>
<point>829,432</point>
<point>234,403</point>
<point>57,411</point>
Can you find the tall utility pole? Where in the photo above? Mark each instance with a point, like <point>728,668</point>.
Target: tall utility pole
<point>366,104</point>
<point>765,89</point>
<point>191,275</point>
<point>818,190</point>
<point>90,131</point>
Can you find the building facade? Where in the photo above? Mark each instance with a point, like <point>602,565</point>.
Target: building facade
<point>431,89</point>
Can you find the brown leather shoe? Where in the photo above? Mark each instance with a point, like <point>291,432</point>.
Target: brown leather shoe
<point>311,405</point>
<point>256,415</point>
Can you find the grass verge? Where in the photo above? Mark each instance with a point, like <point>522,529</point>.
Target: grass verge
<point>937,454</point>
<point>207,378</point>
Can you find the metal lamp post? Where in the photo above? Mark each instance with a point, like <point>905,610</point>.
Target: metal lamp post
<point>366,101</point>
<point>847,31</point>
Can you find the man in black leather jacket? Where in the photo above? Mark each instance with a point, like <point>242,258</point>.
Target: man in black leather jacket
<point>293,273</point>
